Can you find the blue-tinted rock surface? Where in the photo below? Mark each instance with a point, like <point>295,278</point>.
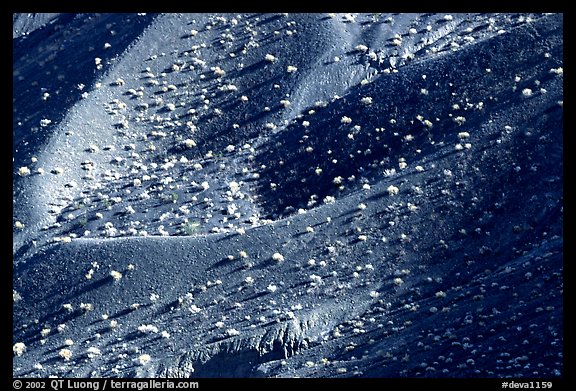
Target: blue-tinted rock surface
<point>407,169</point>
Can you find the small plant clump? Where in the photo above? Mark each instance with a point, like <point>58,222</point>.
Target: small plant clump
<point>366,100</point>
<point>116,275</point>
<point>66,354</point>
<point>148,328</point>
<point>93,352</point>
<point>278,257</point>
<point>19,348</point>
<point>144,359</point>
<point>392,190</point>
<point>23,171</point>
<point>440,294</point>
<point>16,296</point>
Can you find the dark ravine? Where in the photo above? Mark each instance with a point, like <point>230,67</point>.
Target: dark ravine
<point>411,226</point>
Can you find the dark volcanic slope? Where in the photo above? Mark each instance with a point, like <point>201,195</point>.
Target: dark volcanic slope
<point>289,195</point>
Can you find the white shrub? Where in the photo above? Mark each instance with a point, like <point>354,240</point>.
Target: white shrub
<point>19,348</point>
<point>189,143</point>
<point>144,359</point>
<point>329,200</point>
<point>366,100</point>
<point>16,296</point>
<point>148,328</point>
<point>392,190</point>
<point>231,209</point>
<point>116,275</point>
<point>277,257</point>
<point>93,352</point>
<point>460,120</point>
<point>291,69</point>
<point>194,309</point>
<point>23,171</point>
<point>66,354</point>
<point>557,71</point>
<point>272,288</point>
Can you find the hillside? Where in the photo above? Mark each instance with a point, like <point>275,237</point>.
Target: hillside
<point>288,195</point>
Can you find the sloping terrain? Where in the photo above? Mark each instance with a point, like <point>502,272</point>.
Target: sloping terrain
<point>288,195</point>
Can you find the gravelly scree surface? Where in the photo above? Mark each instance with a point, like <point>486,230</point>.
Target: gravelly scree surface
<point>302,195</point>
